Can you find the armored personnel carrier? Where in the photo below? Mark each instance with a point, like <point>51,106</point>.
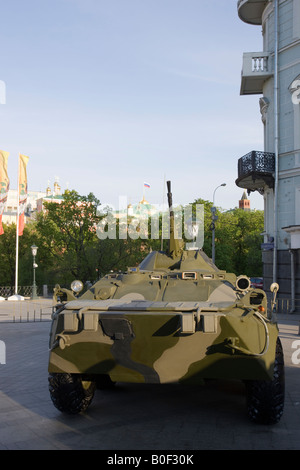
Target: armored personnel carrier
<point>176,318</point>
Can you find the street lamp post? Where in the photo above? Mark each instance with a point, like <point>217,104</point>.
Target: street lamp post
<point>34,249</point>
<point>214,218</point>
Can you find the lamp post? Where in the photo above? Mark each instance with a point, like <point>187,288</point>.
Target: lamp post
<point>34,249</point>
<point>214,218</point>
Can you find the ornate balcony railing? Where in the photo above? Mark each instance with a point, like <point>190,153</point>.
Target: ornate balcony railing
<point>256,171</point>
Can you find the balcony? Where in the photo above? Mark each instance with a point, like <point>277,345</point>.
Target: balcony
<point>250,11</point>
<point>256,70</point>
<point>256,171</point>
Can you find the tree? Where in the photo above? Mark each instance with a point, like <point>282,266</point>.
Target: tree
<point>69,247</point>
<point>67,231</point>
<point>8,255</point>
<point>238,240</point>
<point>207,205</point>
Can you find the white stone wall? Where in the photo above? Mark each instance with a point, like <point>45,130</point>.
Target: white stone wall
<point>289,117</point>
<point>10,211</point>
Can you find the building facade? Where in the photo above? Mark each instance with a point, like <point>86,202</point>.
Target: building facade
<point>11,209</point>
<point>274,75</point>
<point>34,203</point>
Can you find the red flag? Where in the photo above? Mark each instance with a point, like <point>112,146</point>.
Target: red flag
<point>4,185</point>
<point>23,160</point>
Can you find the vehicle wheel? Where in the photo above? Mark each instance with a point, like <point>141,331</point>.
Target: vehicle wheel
<point>70,393</point>
<point>265,399</point>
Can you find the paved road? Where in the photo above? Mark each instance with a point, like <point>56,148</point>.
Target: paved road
<point>156,418</point>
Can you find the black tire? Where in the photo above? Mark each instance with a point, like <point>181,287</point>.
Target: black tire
<point>70,393</point>
<point>265,399</point>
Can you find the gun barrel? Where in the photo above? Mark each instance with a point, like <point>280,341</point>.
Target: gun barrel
<point>170,200</point>
<point>170,203</point>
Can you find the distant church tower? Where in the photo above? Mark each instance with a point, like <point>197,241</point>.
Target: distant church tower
<point>244,203</point>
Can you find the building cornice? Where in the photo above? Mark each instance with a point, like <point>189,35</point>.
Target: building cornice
<point>292,173</point>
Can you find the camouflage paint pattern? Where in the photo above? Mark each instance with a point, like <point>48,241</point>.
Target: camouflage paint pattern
<point>172,319</point>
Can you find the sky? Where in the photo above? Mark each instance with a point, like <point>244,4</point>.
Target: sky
<point>106,95</point>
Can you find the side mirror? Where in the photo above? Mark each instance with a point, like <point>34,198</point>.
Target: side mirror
<point>274,288</point>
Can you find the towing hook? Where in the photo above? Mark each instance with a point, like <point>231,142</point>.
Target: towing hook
<point>62,341</point>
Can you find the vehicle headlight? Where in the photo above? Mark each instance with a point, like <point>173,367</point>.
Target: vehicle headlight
<point>243,283</point>
<point>77,286</point>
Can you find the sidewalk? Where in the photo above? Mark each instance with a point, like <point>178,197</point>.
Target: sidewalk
<point>292,319</point>
<point>26,310</point>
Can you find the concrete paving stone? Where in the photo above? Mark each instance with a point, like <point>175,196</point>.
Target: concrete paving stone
<point>13,433</point>
<point>132,416</point>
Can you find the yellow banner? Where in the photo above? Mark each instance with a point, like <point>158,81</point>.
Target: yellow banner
<point>23,160</point>
<point>4,184</point>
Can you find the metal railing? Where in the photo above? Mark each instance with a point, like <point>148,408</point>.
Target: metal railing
<point>24,291</point>
<point>287,305</point>
<point>45,291</point>
<point>284,305</point>
<point>256,161</point>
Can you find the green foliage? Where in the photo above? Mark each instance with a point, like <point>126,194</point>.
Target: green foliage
<point>67,232</point>
<point>8,255</point>
<point>238,240</point>
<point>68,246</point>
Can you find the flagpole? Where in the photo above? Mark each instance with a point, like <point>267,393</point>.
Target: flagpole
<point>17,234</point>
